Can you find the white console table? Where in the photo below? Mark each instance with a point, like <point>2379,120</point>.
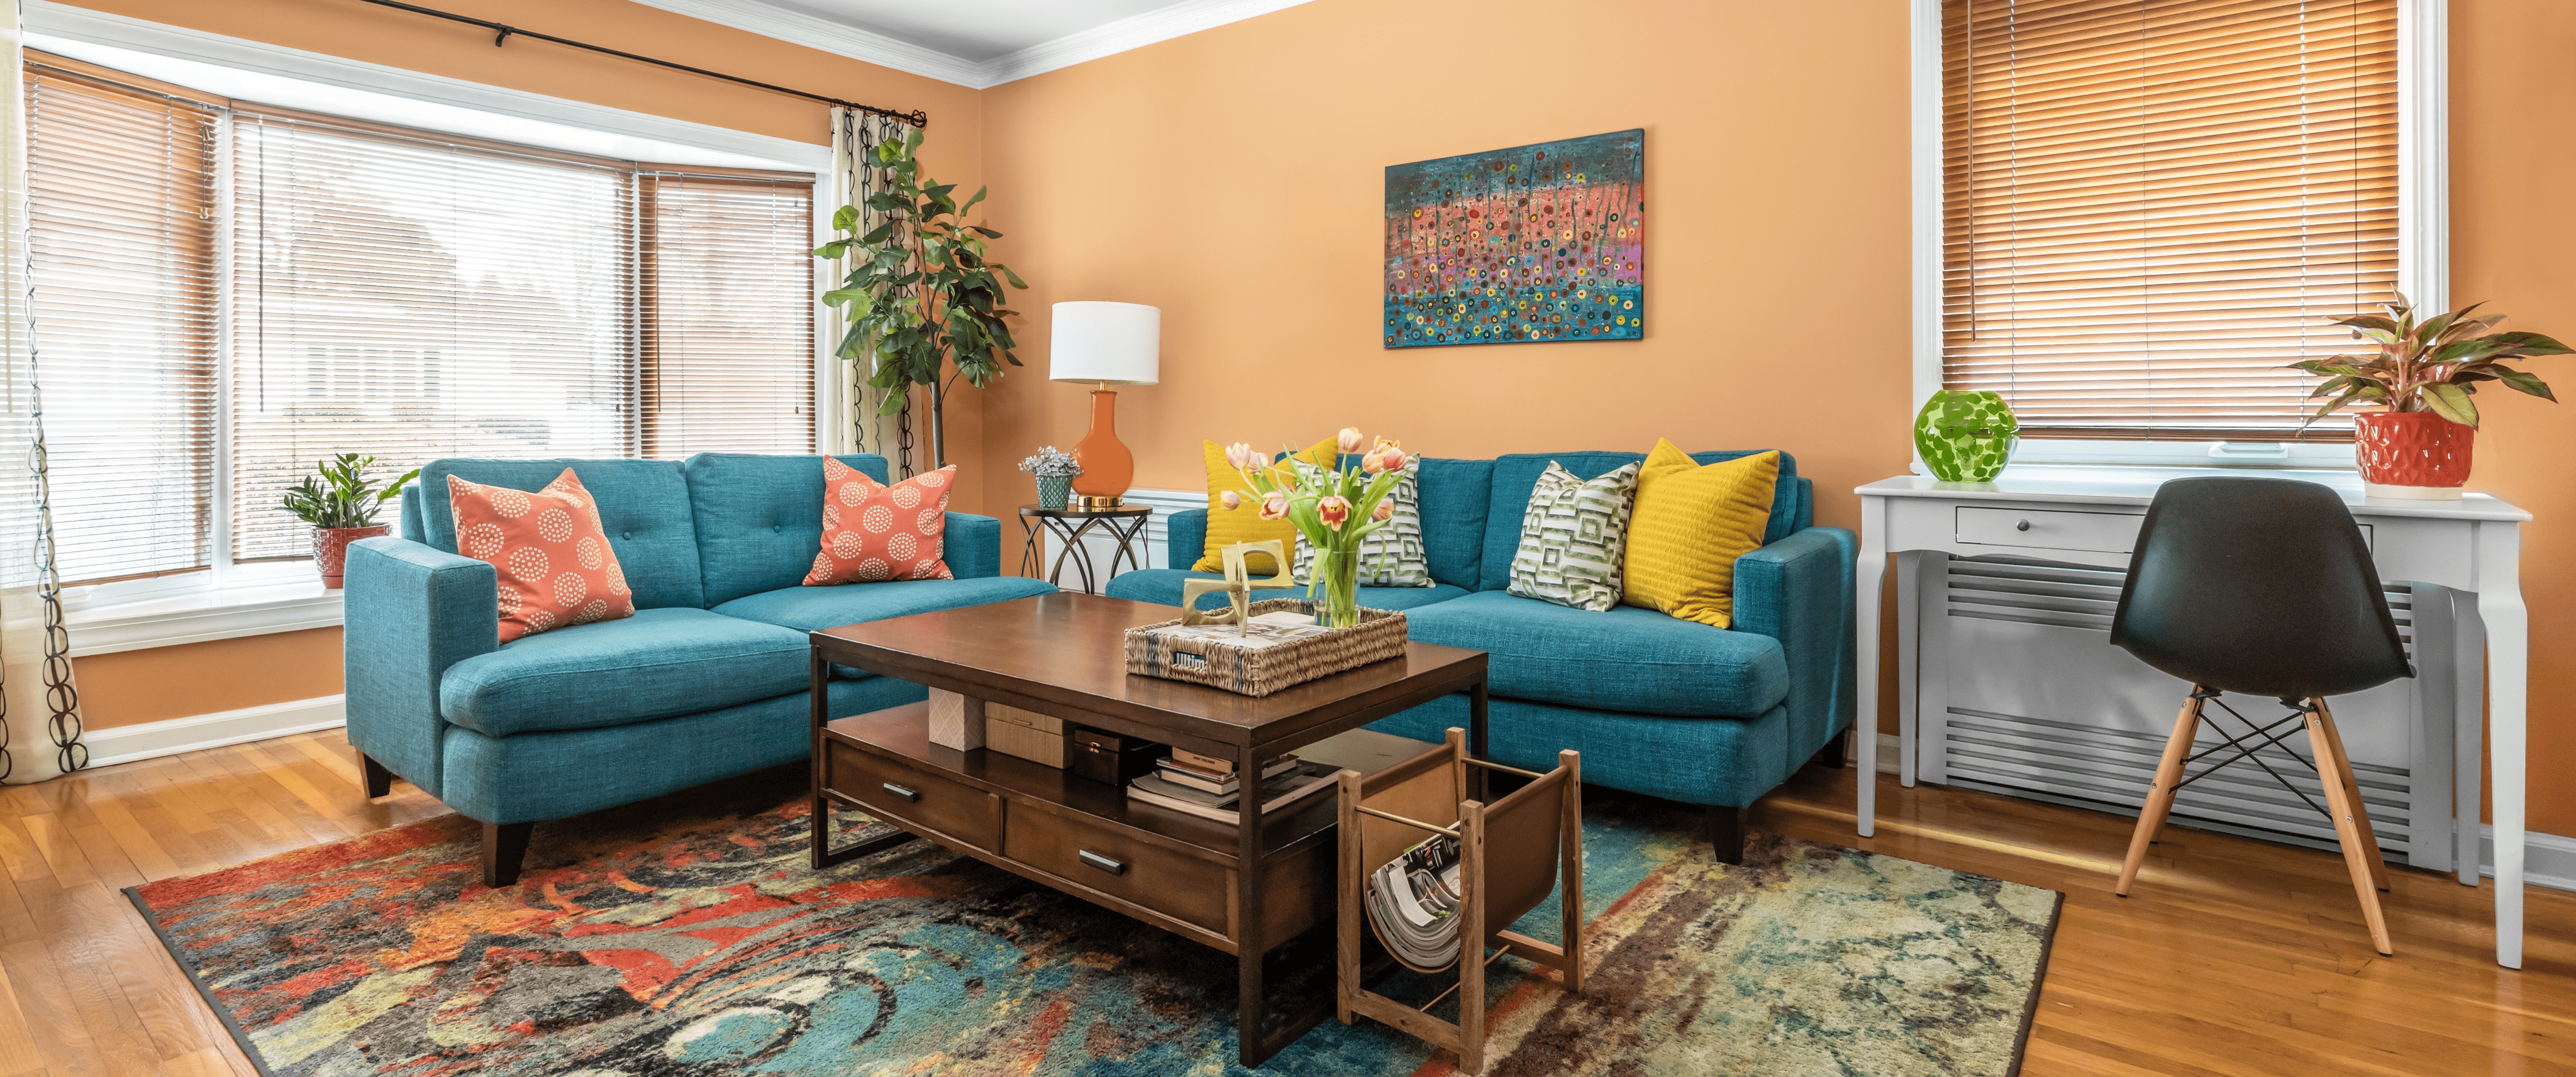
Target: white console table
<point>2090,516</point>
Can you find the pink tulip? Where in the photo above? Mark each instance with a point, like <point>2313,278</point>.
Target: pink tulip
<point>1333,510</point>
<point>1239,455</point>
<point>1231,500</point>
<point>1384,458</point>
<point>1385,511</point>
<point>1350,439</point>
<point>1274,506</point>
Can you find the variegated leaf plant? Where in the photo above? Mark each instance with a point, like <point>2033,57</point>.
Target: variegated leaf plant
<point>2433,365</point>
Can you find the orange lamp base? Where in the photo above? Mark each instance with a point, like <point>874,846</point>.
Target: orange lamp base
<point>1107,467</point>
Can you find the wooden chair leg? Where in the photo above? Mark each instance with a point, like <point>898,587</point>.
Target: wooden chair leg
<point>2352,795</point>
<point>2160,796</point>
<point>379,780</point>
<point>2359,852</point>
<point>504,845</point>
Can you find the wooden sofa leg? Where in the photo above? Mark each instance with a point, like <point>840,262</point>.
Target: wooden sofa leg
<point>504,845</point>
<point>379,780</point>
<point>1726,833</point>
<point>1834,751</point>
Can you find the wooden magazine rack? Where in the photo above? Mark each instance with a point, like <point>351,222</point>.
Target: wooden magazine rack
<point>1510,854</point>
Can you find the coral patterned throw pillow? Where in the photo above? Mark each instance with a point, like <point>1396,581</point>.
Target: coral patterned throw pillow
<point>552,555</point>
<point>873,533</point>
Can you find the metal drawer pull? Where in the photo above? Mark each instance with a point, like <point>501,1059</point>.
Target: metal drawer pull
<point>2022,526</point>
<point>1103,863</point>
<point>908,795</point>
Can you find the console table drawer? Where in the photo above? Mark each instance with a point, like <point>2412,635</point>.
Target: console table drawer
<point>2099,532</point>
<point>1182,887</point>
<point>904,793</point>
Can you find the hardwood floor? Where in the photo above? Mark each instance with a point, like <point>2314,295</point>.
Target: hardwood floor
<point>2233,957</point>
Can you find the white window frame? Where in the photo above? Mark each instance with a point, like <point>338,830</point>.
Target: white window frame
<point>2423,242</point>
<point>230,600</point>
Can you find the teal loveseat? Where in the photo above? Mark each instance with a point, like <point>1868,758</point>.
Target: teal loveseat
<point>1660,706</point>
<point>707,680</point>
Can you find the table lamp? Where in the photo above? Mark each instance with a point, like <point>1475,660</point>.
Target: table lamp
<point>1105,344</point>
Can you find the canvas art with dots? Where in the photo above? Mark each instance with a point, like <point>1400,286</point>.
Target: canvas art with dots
<point>1526,245</point>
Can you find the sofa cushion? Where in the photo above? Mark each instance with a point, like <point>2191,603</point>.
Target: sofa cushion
<point>1620,659</point>
<point>1455,494</point>
<point>1162,587</point>
<point>761,517</point>
<point>806,609</point>
<point>643,506</point>
<point>656,664</point>
<point>1516,474</point>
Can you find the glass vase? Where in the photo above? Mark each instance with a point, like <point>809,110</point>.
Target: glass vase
<point>1337,578</point>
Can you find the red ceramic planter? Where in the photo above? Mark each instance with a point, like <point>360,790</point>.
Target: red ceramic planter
<point>331,548</point>
<point>2414,454</point>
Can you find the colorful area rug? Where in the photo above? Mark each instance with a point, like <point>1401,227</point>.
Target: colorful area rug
<point>687,936</point>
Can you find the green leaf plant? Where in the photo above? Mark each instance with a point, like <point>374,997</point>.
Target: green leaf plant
<point>345,497</point>
<point>921,292</point>
<point>2431,365</point>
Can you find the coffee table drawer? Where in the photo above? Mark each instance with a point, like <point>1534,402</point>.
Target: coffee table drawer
<point>911,795</point>
<point>1182,887</point>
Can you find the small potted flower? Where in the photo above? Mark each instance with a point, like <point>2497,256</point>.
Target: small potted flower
<point>2421,377</point>
<point>341,508</point>
<point>1055,469</point>
<point>1334,510</point>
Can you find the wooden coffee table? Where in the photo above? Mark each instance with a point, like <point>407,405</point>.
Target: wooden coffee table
<point>1244,888</point>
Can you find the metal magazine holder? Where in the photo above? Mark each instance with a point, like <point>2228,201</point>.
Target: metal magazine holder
<point>1509,855</point>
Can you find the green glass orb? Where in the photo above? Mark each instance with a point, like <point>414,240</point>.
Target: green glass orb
<point>1965,436</point>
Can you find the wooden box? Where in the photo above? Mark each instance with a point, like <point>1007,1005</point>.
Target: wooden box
<point>1108,757</point>
<point>1026,734</point>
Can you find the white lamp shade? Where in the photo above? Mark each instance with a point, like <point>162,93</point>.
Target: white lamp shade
<point>1106,343</point>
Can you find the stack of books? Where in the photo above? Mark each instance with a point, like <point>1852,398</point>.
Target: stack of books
<point>1210,788</point>
<point>1413,904</point>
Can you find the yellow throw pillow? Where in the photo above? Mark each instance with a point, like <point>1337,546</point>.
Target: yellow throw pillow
<point>1226,527</point>
<point>1689,526</point>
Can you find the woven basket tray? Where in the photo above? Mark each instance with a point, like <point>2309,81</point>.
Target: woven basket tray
<point>1259,671</point>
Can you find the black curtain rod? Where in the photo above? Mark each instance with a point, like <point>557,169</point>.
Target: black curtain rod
<point>503,31</point>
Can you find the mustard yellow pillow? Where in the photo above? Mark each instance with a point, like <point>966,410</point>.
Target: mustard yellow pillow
<point>1689,526</point>
<point>1226,527</point>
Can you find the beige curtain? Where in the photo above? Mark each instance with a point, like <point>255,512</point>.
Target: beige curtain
<point>40,727</point>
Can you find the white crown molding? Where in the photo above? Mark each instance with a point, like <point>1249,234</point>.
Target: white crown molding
<point>796,27</point>
<point>1107,39</point>
<point>1134,31</point>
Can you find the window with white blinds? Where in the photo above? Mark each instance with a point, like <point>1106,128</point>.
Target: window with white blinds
<point>2151,206</point>
<point>121,201</point>
<point>411,298</point>
<point>727,337</point>
<point>352,287</point>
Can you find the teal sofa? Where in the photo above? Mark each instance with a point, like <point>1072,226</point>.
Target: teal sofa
<point>1660,706</point>
<point>707,680</point>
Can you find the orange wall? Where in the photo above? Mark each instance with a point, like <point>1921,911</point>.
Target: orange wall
<point>140,686</point>
<point>132,687</point>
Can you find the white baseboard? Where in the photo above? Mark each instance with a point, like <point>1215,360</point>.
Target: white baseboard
<point>2547,860</point>
<point>152,740</point>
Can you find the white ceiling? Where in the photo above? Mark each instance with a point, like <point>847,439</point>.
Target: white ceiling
<point>975,43</point>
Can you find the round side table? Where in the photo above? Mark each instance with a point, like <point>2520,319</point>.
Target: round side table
<point>1126,523</point>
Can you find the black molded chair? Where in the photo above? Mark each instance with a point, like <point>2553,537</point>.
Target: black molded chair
<point>2262,587</point>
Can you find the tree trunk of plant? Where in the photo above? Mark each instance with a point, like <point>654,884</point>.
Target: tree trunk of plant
<point>938,426</point>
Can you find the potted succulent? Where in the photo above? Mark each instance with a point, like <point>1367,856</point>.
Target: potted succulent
<point>2422,377</point>
<point>1054,469</point>
<point>341,508</point>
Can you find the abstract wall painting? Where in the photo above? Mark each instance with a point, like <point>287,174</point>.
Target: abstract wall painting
<point>1532,244</point>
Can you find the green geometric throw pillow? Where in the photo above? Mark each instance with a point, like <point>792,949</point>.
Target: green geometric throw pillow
<point>1390,556</point>
<point>1573,538</point>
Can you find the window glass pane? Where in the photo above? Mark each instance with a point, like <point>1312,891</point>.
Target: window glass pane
<point>121,203</point>
<point>728,335</point>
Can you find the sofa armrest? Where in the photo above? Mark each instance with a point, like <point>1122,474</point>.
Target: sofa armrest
<point>972,546</point>
<point>1185,538</point>
<point>410,612</point>
<point>1799,591</point>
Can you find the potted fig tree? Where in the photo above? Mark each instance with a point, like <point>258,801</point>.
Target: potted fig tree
<point>2420,379</point>
<point>341,508</point>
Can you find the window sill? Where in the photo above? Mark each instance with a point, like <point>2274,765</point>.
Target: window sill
<point>198,616</point>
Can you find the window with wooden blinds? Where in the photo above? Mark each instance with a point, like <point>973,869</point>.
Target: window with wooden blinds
<point>121,201</point>
<point>2148,208</point>
<point>727,348</point>
<point>412,297</point>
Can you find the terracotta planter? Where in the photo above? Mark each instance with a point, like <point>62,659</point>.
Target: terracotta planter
<point>331,548</point>
<point>2413,454</point>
